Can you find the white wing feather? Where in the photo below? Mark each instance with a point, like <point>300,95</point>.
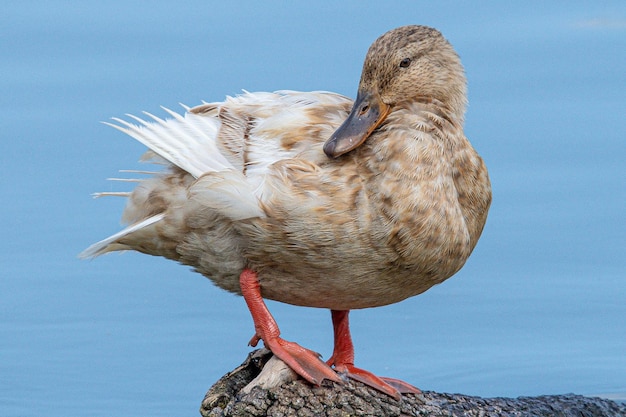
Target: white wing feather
<point>186,141</point>
<point>228,192</point>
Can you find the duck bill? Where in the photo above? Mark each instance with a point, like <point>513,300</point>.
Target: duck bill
<point>367,114</point>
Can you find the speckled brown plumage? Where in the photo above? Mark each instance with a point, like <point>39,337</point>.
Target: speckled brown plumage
<point>386,221</point>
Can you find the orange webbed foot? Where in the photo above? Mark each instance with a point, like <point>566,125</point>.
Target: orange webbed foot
<point>390,386</point>
<point>304,362</point>
<point>343,361</point>
<point>401,386</point>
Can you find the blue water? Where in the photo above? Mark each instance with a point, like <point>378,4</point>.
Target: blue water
<point>540,308</point>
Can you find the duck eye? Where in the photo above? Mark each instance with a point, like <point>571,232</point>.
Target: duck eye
<point>405,62</point>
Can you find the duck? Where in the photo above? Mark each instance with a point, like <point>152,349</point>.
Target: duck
<point>314,199</point>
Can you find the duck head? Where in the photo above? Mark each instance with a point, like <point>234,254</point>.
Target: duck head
<point>407,64</point>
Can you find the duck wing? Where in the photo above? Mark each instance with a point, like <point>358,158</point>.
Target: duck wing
<point>218,155</point>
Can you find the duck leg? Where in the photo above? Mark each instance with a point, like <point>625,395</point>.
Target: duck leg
<point>304,362</point>
<point>343,360</point>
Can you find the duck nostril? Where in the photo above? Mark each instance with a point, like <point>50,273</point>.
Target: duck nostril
<point>364,109</point>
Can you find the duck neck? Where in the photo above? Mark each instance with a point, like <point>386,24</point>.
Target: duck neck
<point>453,113</point>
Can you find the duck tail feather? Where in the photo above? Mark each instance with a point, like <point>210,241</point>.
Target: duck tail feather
<point>112,243</point>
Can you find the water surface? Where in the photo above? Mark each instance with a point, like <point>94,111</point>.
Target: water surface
<point>538,309</point>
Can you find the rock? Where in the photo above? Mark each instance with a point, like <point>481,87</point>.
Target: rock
<point>278,393</point>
